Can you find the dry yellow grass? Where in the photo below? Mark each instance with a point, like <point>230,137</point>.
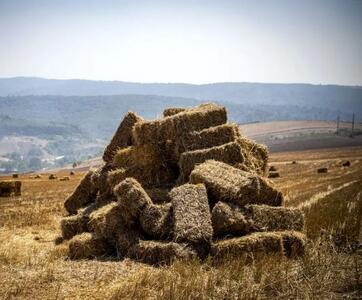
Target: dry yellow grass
<point>32,267</point>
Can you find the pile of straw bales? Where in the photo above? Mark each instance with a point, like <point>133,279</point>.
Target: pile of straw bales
<point>187,185</point>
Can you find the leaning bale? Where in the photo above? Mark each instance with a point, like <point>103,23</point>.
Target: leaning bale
<point>100,179</point>
<point>159,195</point>
<point>156,220</point>
<point>268,218</point>
<point>123,136</point>
<point>83,194</point>
<point>132,198</point>
<point>229,184</point>
<point>191,214</point>
<point>73,225</point>
<point>170,128</point>
<point>146,164</point>
<point>106,221</point>
<point>230,153</point>
<point>209,137</point>
<point>159,253</point>
<point>86,246</point>
<point>173,111</point>
<point>256,155</point>
<point>229,218</point>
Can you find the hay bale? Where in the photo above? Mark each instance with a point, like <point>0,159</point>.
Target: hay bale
<point>38,176</point>
<point>159,195</point>
<point>230,153</point>
<point>73,225</point>
<point>106,221</point>
<point>208,137</point>
<point>173,111</point>
<point>272,169</point>
<point>10,188</point>
<point>64,178</point>
<point>170,128</point>
<point>229,218</point>
<point>322,170</point>
<point>146,164</point>
<point>83,194</point>
<point>156,220</point>
<point>71,173</point>
<point>123,136</point>
<point>86,246</point>
<point>293,243</point>
<point>132,198</point>
<point>15,175</point>
<point>116,176</point>
<point>229,184</point>
<point>273,175</point>
<point>191,214</point>
<point>159,253</point>
<point>52,177</point>
<point>256,155</point>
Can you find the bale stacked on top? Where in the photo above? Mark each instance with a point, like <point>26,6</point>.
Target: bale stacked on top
<point>184,186</point>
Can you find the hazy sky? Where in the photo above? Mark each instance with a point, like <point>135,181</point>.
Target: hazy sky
<point>183,41</point>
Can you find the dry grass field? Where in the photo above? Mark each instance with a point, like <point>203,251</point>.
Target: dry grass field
<point>32,267</point>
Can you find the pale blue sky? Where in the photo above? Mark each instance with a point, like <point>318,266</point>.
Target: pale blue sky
<point>183,41</point>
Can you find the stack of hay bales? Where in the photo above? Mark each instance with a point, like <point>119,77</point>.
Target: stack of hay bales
<point>184,186</point>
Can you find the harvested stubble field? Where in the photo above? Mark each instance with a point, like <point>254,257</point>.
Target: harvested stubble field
<point>31,267</point>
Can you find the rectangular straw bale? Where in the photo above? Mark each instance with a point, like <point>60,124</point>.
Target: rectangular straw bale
<point>123,136</point>
<point>229,184</point>
<point>86,246</point>
<point>9,188</point>
<point>126,238</point>
<point>256,155</point>
<point>132,198</point>
<point>268,218</point>
<point>173,111</point>
<point>208,137</point>
<point>159,253</point>
<point>191,214</point>
<point>170,128</point>
<point>73,225</point>
<point>229,153</point>
<point>106,221</point>
<point>293,243</point>
<point>83,194</point>
<point>146,164</point>
<point>229,218</point>
<point>156,220</point>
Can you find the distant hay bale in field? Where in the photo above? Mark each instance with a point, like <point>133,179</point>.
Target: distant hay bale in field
<point>173,111</point>
<point>52,177</point>
<point>229,218</point>
<point>10,188</point>
<point>106,221</point>
<point>230,153</point>
<point>145,164</point>
<point>86,246</point>
<point>15,175</point>
<point>209,137</point>
<point>123,136</point>
<point>38,176</point>
<point>274,175</point>
<point>294,162</point>
<point>226,183</point>
<point>288,243</point>
<point>159,253</point>
<point>272,169</point>
<point>64,178</point>
<point>83,194</point>
<point>159,195</point>
<point>71,173</point>
<point>156,220</point>
<point>322,170</point>
<point>73,225</point>
<point>346,163</point>
<point>191,214</point>
<point>132,198</point>
<point>170,128</point>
